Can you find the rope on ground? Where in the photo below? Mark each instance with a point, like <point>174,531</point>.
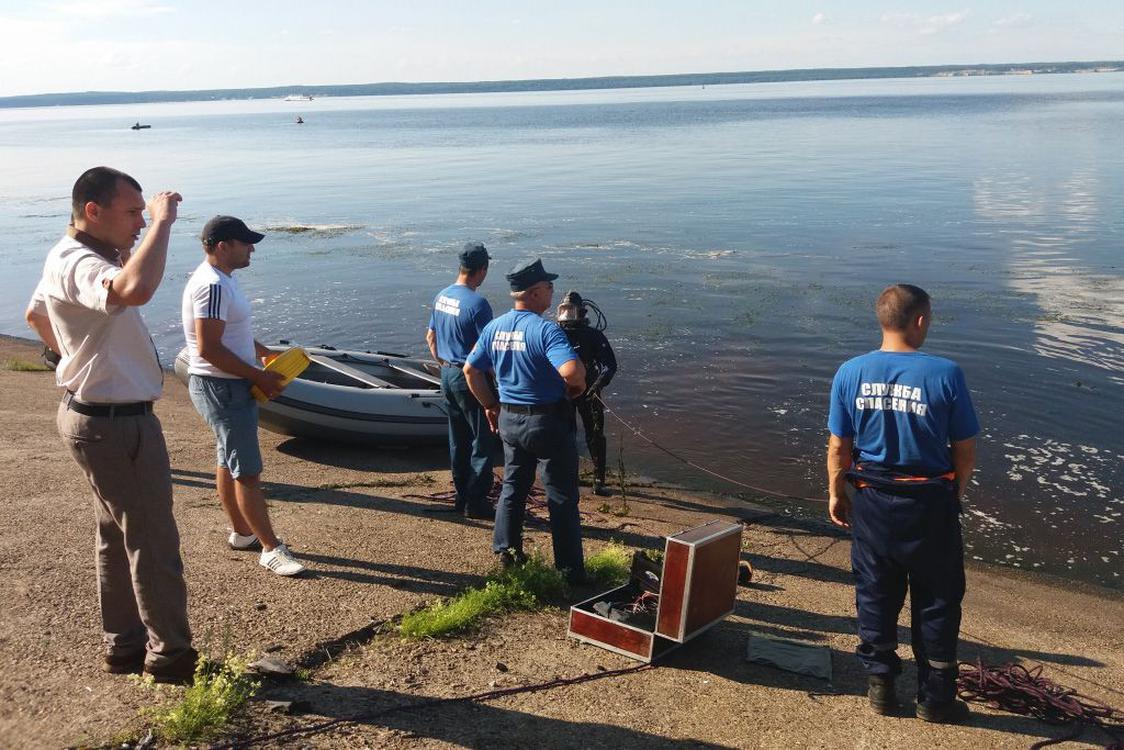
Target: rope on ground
<point>1054,667</point>
<point>1016,689</point>
<point>430,703</point>
<point>761,490</point>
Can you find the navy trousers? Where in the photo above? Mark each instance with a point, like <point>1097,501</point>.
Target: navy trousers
<point>545,441</point>
<point>470,441</point>
<point>909,539</point>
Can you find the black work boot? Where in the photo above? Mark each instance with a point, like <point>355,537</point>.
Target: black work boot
<point>511,558</point>
<point>880,693</point>
<point>480,511</point>
<point>954,711</point>
<point>936,698</point>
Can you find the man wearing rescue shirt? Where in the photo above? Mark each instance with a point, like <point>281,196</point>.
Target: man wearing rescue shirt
<point>537,372</point>
<point>459,315</point>
<point>903,436</point>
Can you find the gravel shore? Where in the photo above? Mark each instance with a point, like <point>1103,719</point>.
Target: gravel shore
<point>377,552</point>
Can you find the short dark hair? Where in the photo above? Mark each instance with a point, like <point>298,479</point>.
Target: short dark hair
<point>900,304</point>
<point>97,184</point>
<point>466,271</point>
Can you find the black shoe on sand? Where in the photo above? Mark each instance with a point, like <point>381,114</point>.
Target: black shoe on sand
<point>511,558</point>
<point>946,712</point>
<point>480,512</point>
<point>880,693</point>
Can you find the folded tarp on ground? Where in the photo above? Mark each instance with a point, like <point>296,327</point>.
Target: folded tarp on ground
<point>790,655</point>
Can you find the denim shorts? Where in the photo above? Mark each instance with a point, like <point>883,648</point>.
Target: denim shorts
<point>232,413</point>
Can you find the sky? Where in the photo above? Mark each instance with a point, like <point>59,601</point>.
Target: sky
<point>139,45</point>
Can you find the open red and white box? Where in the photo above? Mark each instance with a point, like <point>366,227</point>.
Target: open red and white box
<point>698,587</point>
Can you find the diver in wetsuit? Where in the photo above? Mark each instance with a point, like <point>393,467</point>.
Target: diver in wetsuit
<point>600,364</point>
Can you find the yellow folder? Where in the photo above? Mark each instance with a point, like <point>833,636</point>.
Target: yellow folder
<point>290,363</point>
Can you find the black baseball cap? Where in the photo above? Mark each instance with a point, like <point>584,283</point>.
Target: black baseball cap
<point>223,228</point>
<point>474,256</point>
<point>526,275</point>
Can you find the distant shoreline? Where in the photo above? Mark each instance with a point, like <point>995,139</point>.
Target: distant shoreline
<point>303,93</point>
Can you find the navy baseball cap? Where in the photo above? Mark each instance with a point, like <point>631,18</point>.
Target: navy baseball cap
<point>223,228</point>
<point>526,275</point>
<point>474,256</point>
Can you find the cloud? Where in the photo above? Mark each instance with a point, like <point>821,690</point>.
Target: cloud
<point>926,25</point>
<point>936,24</point>
<point>109,8</point>
<point>1017,21</point>
<point>818,18</point>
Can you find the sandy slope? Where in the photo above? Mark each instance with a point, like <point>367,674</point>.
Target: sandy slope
<point>377,553</point>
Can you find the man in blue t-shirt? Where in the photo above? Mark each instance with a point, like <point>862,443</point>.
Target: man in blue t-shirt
<point>459,315</point>
<point>537,372</point>
<point>903,435</point>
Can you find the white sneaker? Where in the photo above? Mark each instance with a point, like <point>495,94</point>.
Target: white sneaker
<point>242,542</point>
<point>281,561</point>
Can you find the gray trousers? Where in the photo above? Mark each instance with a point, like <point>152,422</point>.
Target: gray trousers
<point>141,591</point>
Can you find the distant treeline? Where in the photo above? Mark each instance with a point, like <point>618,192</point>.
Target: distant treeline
<point>552,84</point>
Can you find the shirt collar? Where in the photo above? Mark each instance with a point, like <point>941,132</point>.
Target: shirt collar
<point>104,249</point>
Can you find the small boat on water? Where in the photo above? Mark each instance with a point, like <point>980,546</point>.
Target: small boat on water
<point>138,126</point>
<point>298,98</point>
<point>356,397</point>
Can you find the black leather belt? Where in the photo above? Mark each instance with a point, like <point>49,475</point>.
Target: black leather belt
<point>133,409</point>
<point>556,407</point>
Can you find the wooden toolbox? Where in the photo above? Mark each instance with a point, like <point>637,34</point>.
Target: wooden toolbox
<point>698,587</point>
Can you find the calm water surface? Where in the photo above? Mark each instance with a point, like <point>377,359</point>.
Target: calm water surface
<point>736,236</point>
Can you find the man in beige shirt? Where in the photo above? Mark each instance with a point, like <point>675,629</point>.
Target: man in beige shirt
<point>86,307</point>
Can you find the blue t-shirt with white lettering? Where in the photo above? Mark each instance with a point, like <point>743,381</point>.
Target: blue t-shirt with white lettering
<point>525,351</point>
<point>459,315</point>
<point>902,409</point>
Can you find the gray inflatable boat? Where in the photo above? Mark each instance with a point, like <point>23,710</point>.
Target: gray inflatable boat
<point>356,397</point>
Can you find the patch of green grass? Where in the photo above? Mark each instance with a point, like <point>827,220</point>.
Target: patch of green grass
<point>22,365</point>
<point>611,566</point>
<point>208,706</point>
<point>529,586</point>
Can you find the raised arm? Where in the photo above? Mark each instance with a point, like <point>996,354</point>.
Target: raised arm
<point>142,273</point>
